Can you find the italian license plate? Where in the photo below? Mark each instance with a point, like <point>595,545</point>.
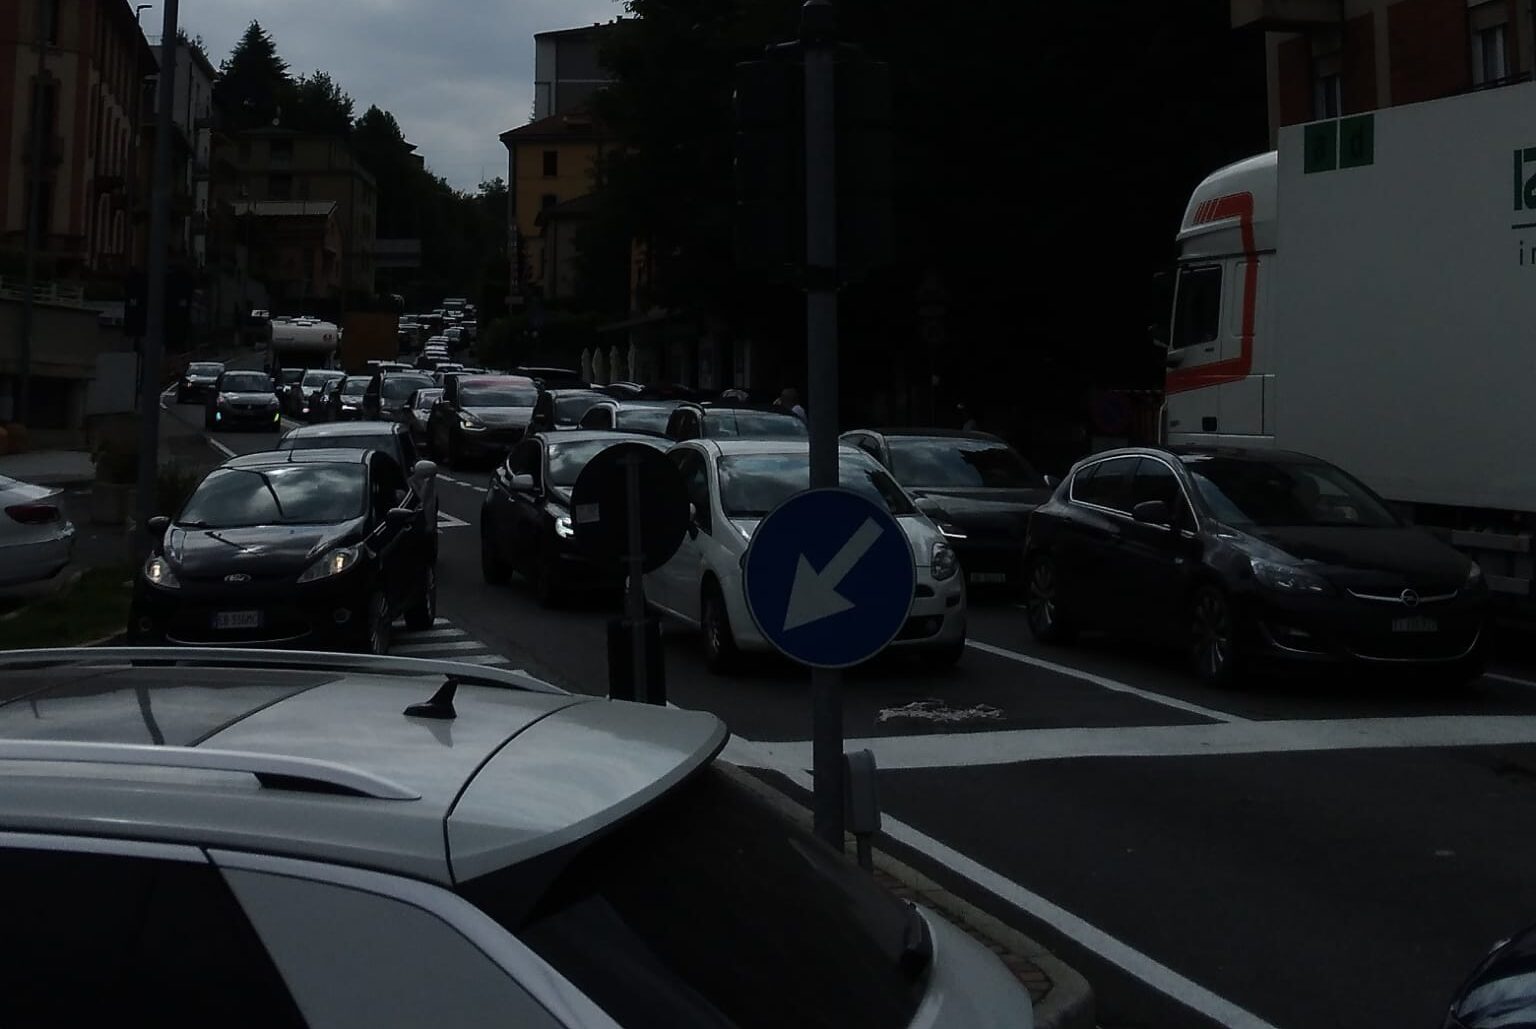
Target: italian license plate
<point>982,578</point>
<point>1415,623</point>
<point>237,620</point>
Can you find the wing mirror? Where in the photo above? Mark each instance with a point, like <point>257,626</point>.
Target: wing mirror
<point>424,470</point>
<point>157,525</point>
<point>1153,512</point>
<point>400,516</point>
<point>524,483</point>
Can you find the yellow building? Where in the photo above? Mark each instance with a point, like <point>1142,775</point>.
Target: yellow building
<point>549,162</point>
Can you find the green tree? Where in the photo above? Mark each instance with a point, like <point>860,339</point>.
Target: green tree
<point>318,104</point>
<point>253,81</point>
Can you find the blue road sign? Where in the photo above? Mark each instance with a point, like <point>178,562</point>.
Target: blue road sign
<point>829,578</point>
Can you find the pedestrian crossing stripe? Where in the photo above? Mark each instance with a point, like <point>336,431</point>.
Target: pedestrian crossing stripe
<point>448,521</point>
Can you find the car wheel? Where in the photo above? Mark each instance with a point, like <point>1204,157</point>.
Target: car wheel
<point>720,653</point>
<point>421,614</point>
<point>1213,644</point>
<point>493,568</point>
<point>377,640</point>
<point>546,583</point>
<point>944,655</point>
<point>1042,602</point>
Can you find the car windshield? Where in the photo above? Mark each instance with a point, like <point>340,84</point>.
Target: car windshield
<point>398,388</point>
<point>354,387</point>
<point>709,909</point>
<point>566,460</point>
<point>959,462</point>
<point>1245,492</point>
<point>489,395</point>
<point>297,494</point>
<point>425,398</point>
<point>318,379</point>
<point>570,408</point>
<point>642,419</point>
<point>725,423</point>
<point>204,368</point>
<point>751,485</point>
<point>246,382</point>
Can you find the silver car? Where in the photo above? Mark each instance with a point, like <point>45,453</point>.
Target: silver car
<point>252,838</point>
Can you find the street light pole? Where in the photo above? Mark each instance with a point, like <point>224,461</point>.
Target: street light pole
<point>21,409</point>
<point>159,248</point>
<point>821,277</point>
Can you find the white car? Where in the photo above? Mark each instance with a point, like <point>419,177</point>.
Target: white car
<point>36,540</point>
<point>732,485</point>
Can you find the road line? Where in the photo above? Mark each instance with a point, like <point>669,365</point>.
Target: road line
<point>1105,683</point>
<point>437,648</point>
<point>448,521</point>
<point>1100,943</point>
<point>484,659</point>
<point>221,448</point>
<point>1017,746</point>
<point>416,636</point>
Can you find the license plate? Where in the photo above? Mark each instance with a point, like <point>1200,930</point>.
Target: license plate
<point>1415,623</point>
<point>237,620</point>
<point>981,578</point>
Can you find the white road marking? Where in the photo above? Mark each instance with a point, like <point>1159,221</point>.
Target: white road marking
<point>457,482</point>
<point>221,448</point>
<point>1015,746</point>
<point>437,648</point>
<point>448,521</point>
<point>1105,682</point>
<point>417,636</point>
<point>1155,974</point>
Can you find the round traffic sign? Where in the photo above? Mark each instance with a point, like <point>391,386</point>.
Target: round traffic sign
<point>829,578</point>
<point>600,505</point>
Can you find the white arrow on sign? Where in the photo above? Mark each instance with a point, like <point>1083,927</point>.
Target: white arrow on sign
<point>813,595</point>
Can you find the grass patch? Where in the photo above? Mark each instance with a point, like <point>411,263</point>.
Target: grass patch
<point>94,607</point>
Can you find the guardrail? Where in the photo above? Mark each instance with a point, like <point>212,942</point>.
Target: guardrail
<point>42,292</point>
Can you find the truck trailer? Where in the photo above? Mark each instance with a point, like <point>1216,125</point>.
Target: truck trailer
<point>1366,293</point>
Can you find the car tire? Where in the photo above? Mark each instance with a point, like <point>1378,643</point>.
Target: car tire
<point>944,655</point>
<point>720,651</point>
<point>1214,649</point>
<point>377,629</point>
<point>423,611</point>
<point>546,583</point>
<point>1048,623</point>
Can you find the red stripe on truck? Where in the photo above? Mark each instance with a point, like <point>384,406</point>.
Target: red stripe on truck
<point>1181,380</point>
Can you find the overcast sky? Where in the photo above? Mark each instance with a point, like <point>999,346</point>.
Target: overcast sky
<point>455,73</point>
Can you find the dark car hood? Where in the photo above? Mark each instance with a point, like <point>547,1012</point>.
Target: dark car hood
<point>500,416</point>
<point>1501,992</point>
<point>264,552</point>
<point>990,511</point>
<point>1373,559</point>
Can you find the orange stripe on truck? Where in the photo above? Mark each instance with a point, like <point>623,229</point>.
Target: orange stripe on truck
<point>1181,380</point>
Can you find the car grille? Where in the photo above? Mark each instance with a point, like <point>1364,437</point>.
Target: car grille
<point>195,625</point>
<point>1453,640</point>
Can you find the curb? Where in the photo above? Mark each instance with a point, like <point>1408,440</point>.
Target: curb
<point>1061,998</point>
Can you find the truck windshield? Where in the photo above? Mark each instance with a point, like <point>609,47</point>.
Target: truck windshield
<point>710,910</point>
<point>1197,306</point>
<point>1245,492</point>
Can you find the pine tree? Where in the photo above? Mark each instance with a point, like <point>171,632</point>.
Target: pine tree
<point>253,82</point>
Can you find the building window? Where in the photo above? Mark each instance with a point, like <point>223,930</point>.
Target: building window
<point>1490,55</point>
<point>551,163</point>
<point>279,187</point>
<point>1327,99</point>
<point>282,150</point>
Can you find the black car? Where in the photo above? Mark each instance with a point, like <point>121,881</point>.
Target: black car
<point>558,409</point>
<point>342,400</point>
<point>733,421</point>
<point>309,548</point>
<point>389,390</point>
<point>525,521</point>
<point>243,400</point>
<point>418,411</point>
<point>648,416</point>
<point>198,381</point>
<point>298,398</point>
<point>479,417</point>
<point>1246,556</point>
<point>977,488</point>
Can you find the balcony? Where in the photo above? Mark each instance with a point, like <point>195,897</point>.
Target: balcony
<point>1286,15</point>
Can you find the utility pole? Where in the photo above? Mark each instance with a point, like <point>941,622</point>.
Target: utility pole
<point>159,252</point>
<point>821,281</point>
<point>21,410</point>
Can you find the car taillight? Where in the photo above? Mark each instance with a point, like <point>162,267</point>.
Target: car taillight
<point>33,514</point>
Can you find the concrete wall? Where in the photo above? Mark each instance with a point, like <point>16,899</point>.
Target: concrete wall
<point>66,342</point>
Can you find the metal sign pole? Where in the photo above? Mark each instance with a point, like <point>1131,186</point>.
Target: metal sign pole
<point>821,365</point>
<point>635,595</point>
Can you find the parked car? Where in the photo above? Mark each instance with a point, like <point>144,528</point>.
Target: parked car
<point>1500,992</point>
<point>649,416</point>
<point>558,409</point>
<point>418,411</point>
<point>198,381</point>
<point>343,399</point>
<point>732,421</point>
<point>479,417</point>
<point>732,485</point>
<point>323,840</point>
<point>1245,557</point>
<point>36,540</point>
<point>243,400</point>
<point>311,548</point>
<point>978,489</point>
<point>525,519</point>
<point>299,399</point>
<point>388,391</point>
<point>553,378</point>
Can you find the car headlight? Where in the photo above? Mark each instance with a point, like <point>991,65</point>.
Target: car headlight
<point>942,561</point>
<point>1288,578</point>
<point>157,572</point>
<point>333,563</point>
<point>469,423</point>
<point>563,527</point>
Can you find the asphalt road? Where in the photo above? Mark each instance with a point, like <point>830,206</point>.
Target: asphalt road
<point>1299,852</point>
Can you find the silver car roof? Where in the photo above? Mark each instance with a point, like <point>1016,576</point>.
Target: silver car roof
<point>311,756</point>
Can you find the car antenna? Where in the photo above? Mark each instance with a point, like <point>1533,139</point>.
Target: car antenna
<point>440,705</point>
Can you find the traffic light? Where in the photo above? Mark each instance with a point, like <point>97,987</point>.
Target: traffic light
<point>770,163</point>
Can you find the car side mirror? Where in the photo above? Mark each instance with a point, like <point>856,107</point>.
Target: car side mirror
<point>1153,512</point>
<point>524,482</point>
<point>424,469</point>
<point>400,516</point>
<point>157,525</point>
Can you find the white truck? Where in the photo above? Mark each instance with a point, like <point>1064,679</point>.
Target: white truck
<point>1367,294</point>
